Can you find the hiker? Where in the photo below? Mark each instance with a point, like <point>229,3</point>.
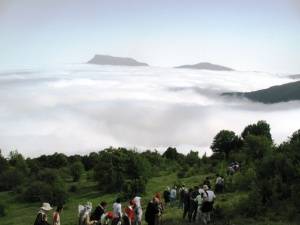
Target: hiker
<point>199,201</point>
<point>129,217</point>
<point>158,217</point>
<point>186,202</point>
<point>41,218</point>
<point>56,215</point>
<point>138,210</point>
<point>167,196</point>
<point>207,182</point>
<point>99,210</point>
<point>106,218</point>
<point>84,214</point>
<point>207,205</point>
<point>117,212</point>
<point>173,196</point>
<point>181,197</point>
<point>193,204</point>
<point>151,211</point>
<point>219,184</point>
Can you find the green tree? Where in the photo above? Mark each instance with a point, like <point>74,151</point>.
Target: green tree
<point>225,142</point>
<point>261,128</point>
<point>76,170</point>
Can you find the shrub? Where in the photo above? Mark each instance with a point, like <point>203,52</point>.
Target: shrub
<point>2,210</point>
<point>73,188</point>
<point>76,170</point>
<point>242,181</point>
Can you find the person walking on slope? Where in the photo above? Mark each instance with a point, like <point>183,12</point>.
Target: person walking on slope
<point>193,204</point>
<point>138,210</point>
<point>100,209</point>
<point>173,193</point>
<point>186,202</point>
<point>151,211</point>
<point>41,218</point>
<point>167,196</point>
<point>56,215</point>
<point>207,205</point>
<point>117,212</point>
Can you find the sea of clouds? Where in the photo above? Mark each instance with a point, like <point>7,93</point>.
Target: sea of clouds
<point>80,108</point>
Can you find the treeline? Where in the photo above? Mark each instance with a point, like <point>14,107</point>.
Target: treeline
<point>50,178</point>
<point>269,173</point>
<point>269,177</point>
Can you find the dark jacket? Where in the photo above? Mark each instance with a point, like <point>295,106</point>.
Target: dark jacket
<point>96,215</point>
<point>151,211</point>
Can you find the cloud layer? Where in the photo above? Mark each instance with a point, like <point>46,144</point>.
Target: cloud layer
<point>80,108</point>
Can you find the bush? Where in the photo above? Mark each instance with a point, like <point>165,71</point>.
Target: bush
<point>2,210</point>
<point>73,188</point>
<point>242,181</point>
<point>76,170</point>
<point>39,191</point>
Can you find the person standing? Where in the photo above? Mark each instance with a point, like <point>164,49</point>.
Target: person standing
<point>99,210</point>
<point>117,212</point>
<point>173,194</point>
<point>219,184</point>
<point>167,196</point>
<point>151,211</point>
<point>138,210</point>
<point>56,215</point>
<point>207,205</point>
<point>186,202</point>
<point>193,204</point>
<point>42,218</point>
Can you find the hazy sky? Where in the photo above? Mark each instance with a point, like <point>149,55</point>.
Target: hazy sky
<point>246,35</point>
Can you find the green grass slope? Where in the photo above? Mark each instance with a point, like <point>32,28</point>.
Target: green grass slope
<point>24,213</point>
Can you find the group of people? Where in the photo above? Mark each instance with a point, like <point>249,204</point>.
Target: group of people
<point>233,168</point>
<point>132,214</point>
<point>42,217</point>
<point>197,204</point>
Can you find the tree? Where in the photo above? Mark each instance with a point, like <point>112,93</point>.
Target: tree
<point>261,128</point>
<point>76,170</point>
<point>225,142</point>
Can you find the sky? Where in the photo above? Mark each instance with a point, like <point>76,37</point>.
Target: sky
<point>248,35</point>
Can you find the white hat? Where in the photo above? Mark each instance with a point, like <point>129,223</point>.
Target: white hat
<point>46,206</point>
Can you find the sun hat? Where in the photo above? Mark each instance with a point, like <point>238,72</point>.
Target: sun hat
<point>46,206</point>
<point>205,187</point>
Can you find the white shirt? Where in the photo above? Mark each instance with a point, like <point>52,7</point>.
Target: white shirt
<point>137,201</point>
<point>201,191</point>
<point>211,195</point>
<point>173,193</point>
<point>117,209</point>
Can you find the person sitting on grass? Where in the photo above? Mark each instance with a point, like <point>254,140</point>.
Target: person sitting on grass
<point>56,215</point>
<point>41,218</point>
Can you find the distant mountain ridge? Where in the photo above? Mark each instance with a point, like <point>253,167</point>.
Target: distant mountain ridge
<point>295,76</point>
<point>115,61</point>
<point>206,66</point>
<point>275,94</point>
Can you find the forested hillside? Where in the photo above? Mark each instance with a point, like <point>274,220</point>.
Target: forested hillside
<point>265,190</point>
<point>282,93</point>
